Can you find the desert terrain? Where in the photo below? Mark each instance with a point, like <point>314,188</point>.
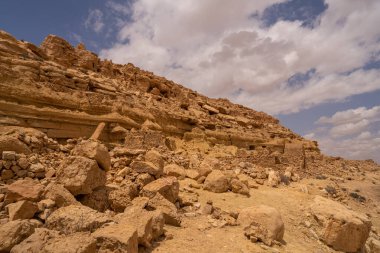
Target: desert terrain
<point>103,157</point>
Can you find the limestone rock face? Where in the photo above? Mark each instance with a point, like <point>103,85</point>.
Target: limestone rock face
<point>76,218</point>
<point>59,50</point>
<point>25,189</point>
<point>168,187</point>
<point>80,175</point>
<point>94,150</point>
<point>341,228</point>
<point>262,223</point>
<point>217,182</point>
<point>14,232</point>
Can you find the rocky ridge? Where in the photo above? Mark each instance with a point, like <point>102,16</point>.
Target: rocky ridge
<point>128,161</point>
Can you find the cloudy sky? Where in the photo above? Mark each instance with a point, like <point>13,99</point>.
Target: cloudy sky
<point>314,64</point>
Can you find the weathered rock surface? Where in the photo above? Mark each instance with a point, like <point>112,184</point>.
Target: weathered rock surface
<point>117,238</point>
<point>342,229</point>
<point>21,210</point>
<point>149,224</point>
<point>120,198</point>
<point>50,241</point>
<point>154,157</point>
<point>168,209</point>
<point>80,175</point>
<point>168,187</point>
<point>175,171</point>
<point>26,189</point>
<point>147,167</point>
<point>239,187</point>
<point>217,182</point>
<point>76,218</point>
<point>14,232</point>
<point>94,150</point>
<point>60,195</point>
<point>262,223</point>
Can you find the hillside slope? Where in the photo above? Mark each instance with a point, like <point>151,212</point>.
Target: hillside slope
<point>110,153</point>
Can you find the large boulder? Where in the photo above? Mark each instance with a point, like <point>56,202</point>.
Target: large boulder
<point>175,171</point>
<point>168,187</point>
<point>80,175</point>
<point>117,238</point>
<point>120,198</point>
<point>50,241</point>
<point>74,243</point>
<point>168,209</point>
<point>35,242</point>
<point>146,167</point>
<point>262,223</point>
<point>60,195</point>
<point>149,224</point>
<point>94,150</point>
<point>14,232</point>
<point>12,142</point>
<point>238,186</point>
<point>274,178</point>
<point>25,189</point>
<point>217,182</point>
<point>21,210</point>
<point>76,218</point>
<point>154,157</point>
<point>97,199</point>
<point>340,228</point>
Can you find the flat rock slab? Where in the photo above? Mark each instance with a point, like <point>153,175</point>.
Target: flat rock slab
<point>341,228</point>
<point>25,189</point>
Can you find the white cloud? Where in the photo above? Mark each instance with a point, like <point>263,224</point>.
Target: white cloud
<point>352,116</point>
<point>95,21</point>
<point>223,51</point>
<point>354,133</point>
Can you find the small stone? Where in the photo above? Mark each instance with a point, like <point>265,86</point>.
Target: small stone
<point>7,164</point>
<point>36,168</point>
<point>9,155</point>
<point>7,174</point>
<point>23,163</point>
<point>207,209</point>
<point>21,173</point>
<point>45,203</point>
<point>15,168</point>
<point>50,173</point>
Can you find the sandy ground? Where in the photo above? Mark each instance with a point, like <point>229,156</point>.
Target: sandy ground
<point>197,235</point>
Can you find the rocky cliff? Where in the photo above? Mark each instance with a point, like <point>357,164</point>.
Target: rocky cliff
<point>107,155</point>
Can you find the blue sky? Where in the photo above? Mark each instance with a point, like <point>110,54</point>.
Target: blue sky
<point>314,64</point>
